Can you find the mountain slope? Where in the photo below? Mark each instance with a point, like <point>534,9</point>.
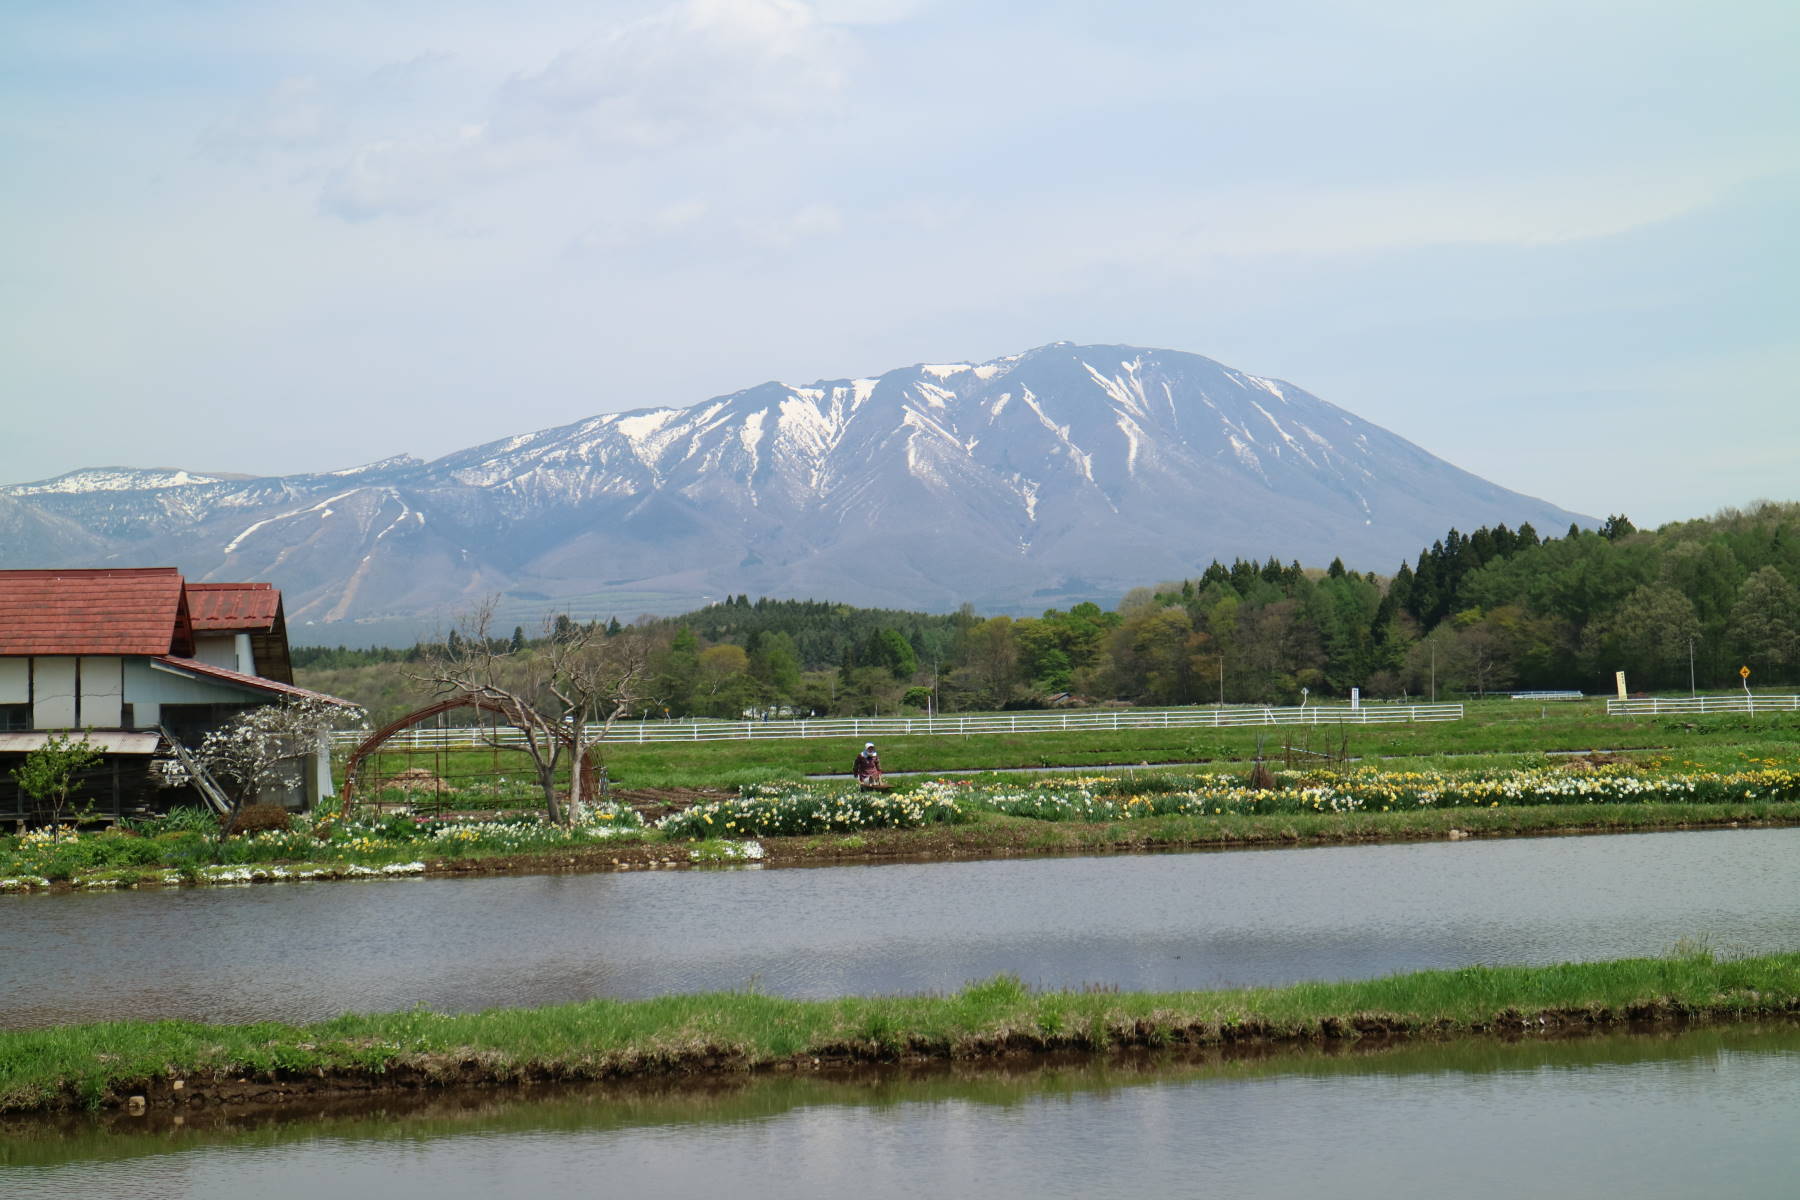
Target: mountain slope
<point>1063,473</point>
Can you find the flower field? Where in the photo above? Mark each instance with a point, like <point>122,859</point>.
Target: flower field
<point>1112,798</point>
<point>184,847</point>
<point>786,810</point>
<point>802,809</point>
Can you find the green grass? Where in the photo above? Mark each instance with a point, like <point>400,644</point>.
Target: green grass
<point>90,1065</point>
<point>1500,732</point>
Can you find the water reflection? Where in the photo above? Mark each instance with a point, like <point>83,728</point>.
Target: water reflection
<point>1700,1113</point>
<point>303,952</point>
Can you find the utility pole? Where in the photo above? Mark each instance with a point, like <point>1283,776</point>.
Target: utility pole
<point>1691,691</point>
<point>1434,672</point>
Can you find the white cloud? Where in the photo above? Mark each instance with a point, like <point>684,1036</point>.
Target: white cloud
<point>672,220</point>
<point>705,232</point>
<point>694,71</point>
<point>293,115</point>
<point>868,12</point>
<point>1251,221</point>
<point>803,224</point>
<point>703,70</point>
<point>412,175</point>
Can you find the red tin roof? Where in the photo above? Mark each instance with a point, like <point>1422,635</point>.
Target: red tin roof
<point>127,610</point>
<point>233,606</point>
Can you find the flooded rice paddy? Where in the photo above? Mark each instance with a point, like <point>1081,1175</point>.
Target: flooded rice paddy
<point>302,952</point>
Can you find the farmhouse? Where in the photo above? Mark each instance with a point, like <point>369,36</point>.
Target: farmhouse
<point>138,659</point>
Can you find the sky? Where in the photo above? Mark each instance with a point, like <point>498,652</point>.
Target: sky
<point>1552,241</point>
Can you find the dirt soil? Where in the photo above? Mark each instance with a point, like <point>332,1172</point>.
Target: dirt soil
<point>1593,759</point>
<point>414,779</point>
<point>653,804</point>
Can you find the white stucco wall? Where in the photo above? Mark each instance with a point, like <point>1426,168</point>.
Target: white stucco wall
<point>217,649</point>
<point>102,692</point>
<point>52,693</point>
<point>147,689</point>
<point>15,681</point>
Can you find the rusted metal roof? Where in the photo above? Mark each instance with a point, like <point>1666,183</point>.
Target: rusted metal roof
<point>256,683</point>
<point>126,610</point>
<point>233,606</point>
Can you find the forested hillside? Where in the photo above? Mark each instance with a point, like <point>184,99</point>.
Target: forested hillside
<point>1491,610</point>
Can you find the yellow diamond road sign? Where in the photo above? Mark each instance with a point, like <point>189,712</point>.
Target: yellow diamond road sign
<point>1744,672</point>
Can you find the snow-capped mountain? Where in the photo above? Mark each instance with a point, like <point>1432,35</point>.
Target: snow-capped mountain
<point>1064,473</point>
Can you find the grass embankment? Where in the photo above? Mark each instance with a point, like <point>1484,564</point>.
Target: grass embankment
<point>175,1062</point>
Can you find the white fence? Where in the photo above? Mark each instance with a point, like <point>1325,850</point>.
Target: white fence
<point>1660,705</point>
<point>1107,720</point>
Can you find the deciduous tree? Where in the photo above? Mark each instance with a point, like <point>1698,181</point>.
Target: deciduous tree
<point>576,678</point>
<point>48,774</point>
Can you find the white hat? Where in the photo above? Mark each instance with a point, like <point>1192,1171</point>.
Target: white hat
<point>868,745</point>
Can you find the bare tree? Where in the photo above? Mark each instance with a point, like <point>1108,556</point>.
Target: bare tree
<point>553,693</point>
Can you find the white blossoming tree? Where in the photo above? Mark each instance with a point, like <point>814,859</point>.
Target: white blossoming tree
<point>246,754</point>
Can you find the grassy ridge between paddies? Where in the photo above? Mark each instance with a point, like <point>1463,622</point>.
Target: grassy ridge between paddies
<point>170,1063</point>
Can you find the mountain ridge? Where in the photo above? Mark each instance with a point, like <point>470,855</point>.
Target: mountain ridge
<point>1062,473</point>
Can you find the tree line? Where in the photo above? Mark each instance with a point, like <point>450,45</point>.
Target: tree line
<point>1492,610</point>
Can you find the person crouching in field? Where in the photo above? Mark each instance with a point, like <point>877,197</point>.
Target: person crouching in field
<point>868,766</point>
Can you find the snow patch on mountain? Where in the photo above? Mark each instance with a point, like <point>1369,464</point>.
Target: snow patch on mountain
<point>110,479</point>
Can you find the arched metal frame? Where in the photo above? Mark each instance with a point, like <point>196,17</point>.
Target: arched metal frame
<point>379,738</point>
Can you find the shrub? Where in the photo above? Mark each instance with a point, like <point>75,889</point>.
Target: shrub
<point>118,848</point>
<point>183,848</point>
<point>261,818</point>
